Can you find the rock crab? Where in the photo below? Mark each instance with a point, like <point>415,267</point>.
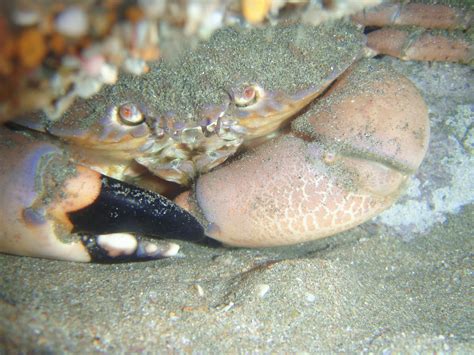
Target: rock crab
<point>344,159</point>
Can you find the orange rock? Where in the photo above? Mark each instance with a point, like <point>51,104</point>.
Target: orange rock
<point>134,14</point>
<point>57,43</point>
<point>31,48</point>
<point>148,54</point>
<point>83,42</point>
<point>255,11</point>
<point>6,66</point>
<point>7,50</point>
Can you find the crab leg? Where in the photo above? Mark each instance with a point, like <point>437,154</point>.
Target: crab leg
<point>56,209</point>
<point>411,43</point>
<point>438,16</point>
<point>427,46</point>
<point>309,185</point>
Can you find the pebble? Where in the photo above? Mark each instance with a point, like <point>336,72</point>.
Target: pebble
<point>153,8</point>
<point>93,65</point>
<point>31,48</point>
<point>72,22</point>
<point>109,75</point>
<point>25,17</point>
<point>87,87</point>
<point>135,66</point>
<point>153,296</point>
<point>310,297</point>
<point>262,290</point>
<point>255,11</point>
<point>211,23</point>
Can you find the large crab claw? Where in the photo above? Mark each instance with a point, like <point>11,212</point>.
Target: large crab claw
<point>346,159</point>
<point>53,208</point>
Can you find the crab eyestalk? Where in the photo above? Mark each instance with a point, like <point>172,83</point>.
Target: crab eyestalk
<point>56,209</point>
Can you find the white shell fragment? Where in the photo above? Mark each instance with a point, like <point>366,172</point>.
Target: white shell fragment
<point>199,290</point>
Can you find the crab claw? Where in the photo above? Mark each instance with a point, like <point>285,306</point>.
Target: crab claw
<point>56,209</point>
<point>346,159</point>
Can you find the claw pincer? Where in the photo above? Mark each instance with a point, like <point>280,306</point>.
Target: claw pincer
<point>57,209</point>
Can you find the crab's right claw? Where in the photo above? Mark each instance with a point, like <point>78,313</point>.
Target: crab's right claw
<point>55,209</point>
<point>347,158</point>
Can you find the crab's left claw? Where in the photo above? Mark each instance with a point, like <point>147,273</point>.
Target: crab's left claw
<point>55,209</point>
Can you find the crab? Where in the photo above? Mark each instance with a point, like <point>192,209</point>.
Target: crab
<point>89,186</point>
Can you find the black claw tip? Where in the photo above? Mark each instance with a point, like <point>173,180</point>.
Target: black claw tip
<point>124,208</point>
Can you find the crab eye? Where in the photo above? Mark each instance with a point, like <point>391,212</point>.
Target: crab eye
<point>130,114</point>
<point>247,96</point>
